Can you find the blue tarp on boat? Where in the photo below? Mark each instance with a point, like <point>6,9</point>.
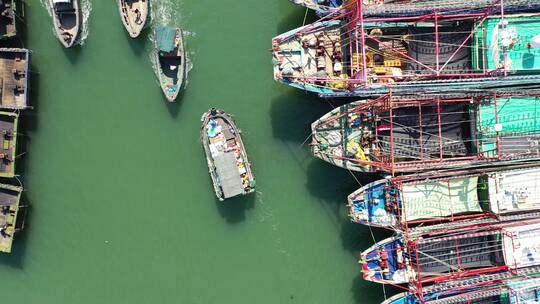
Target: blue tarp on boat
<point>165,38</point>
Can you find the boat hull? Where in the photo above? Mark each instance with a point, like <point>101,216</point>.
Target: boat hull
<point>232,145</point>
<point>67,23</point>
<point>134,14</point>
<point>172,83</point>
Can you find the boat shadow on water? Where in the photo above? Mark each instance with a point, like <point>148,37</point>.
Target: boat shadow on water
<point>73,53</point>
<point>233,210</point>
<point>294,19</point>
<point>331,185</point>
<point>173,107</point>
<point>138,45</point>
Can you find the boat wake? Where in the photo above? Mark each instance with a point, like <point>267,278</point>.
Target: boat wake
<point>167,13</point>
<point>86,9</point>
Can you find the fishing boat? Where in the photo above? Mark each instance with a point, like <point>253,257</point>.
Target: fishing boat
<point>405,55</point>
<point>11,217</point>
<point>438,256</point>
<point>389,8</point>
<point>422,133</point>
<point>229,166</point>
<point>488,195</point>
<point>171,60</point>
<point>8,20</point>
<point>14,78</point>
<point>134,14</point>
<point>512,291</point>
<point>9,122</point>
<point>66,16</point>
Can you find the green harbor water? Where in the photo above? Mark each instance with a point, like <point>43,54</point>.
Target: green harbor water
<point>122,206</point>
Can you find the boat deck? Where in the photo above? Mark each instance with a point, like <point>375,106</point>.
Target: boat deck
<point>14,65</point>
<point>230,169</point>
<point>8,133</point>
<point>7,19</point>
<point>9,207</point>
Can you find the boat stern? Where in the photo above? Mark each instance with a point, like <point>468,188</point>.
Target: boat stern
<point>371,205</point>
<point>322,7</point>
<point>386,262</point>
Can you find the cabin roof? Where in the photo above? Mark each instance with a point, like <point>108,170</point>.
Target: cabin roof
<point>165,38</point>
<point>228,173</point>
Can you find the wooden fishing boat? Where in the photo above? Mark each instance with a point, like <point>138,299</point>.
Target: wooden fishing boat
<point>229,166</point>
<point>489,195</point>
<point>9,123</point>
<point>171,60</point>
<point>389,8</point>
<point>423,133</point>
<point>453,253</point>
<point>66,16</point>
<point>15,80</point>
<point>408,55</point>
<point>8,19</point>
<point>11,217</point>
<point>134,14</point>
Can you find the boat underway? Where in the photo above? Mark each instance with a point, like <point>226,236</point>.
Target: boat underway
<point>511,291</point>
<point>438,256</point>
<point>10,218</point>
<point>66,16</point>
<point>226,155</point>
<point>389,8</point>
<point>8,127</point>
<point>171,60</point>
<point>134,14</point>
<point>14,78</point>
<point>409,134</point>
<point>406,55</point>
<point>8,20</point>
<point>492,193</point>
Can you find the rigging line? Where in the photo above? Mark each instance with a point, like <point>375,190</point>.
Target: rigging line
<point>305,17</point>
<point>440,261</point>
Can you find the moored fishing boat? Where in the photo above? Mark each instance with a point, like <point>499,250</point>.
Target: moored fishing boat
<point>8,127</point>
<point>14,78</point>
<point>406,55</point>
<point>134,14</point>
<point>489,194</point>
<point>415,7</point>
<point>10,215</point>
<point>8,20</point>
<point>66,16</point>
<point>412,134</point>
<point>439,256</point>
<point>171,60</point>
<point>229,166</point>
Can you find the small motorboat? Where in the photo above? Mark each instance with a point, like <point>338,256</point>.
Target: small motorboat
<point>171,60</point>
<point>134,14</point>
<point>66,16</point>
<point>226,155</point>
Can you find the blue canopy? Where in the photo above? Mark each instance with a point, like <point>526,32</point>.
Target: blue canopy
<point>165,38</point>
